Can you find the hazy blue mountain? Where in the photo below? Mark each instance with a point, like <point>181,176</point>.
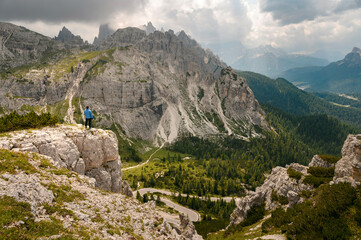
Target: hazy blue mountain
<point>266,59</point>
<point>343,76</point>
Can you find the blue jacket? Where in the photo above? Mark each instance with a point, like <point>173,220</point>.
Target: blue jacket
<point>88,113</point>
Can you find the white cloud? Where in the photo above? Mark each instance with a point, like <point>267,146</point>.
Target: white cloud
<point>302,25</point>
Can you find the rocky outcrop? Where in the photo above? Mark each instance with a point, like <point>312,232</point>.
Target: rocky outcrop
<point>348,168</point>
<point>69,201</point>
<point>25,188</point>
<point>277,182</point>
<point>317,161</point>
<point>90,152</point>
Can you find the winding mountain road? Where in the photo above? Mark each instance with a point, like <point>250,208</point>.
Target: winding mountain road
<point>142,164</point>
<point>193,215</point>
<point>168,193</point>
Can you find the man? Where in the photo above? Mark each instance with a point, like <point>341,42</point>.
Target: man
<point>88,117</point>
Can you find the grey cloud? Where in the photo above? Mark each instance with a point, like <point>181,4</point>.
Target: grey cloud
<point>347,5</point>
<point>296,11</point>
<point>65,10</point>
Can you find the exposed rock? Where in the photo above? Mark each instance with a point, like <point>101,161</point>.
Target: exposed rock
<point>188,229</point>
<point>126,189</point>
<point>19,46</point>
<point>125,217</point>
<point>280,183</point>
<point>149,28</point>
<point>67,37</point>
<point>90,152</point>
<point>25,188</point>
<point>317,161</point>
<point>348,168</point>
<point>104,32</point>
<point>64,35</point>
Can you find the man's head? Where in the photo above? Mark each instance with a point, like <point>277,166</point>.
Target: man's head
<point>87,107</point>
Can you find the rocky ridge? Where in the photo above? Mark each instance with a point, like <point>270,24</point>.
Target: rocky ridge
<point>19,46</point>
<point>93,153</point>
<point>155,87</point>
<point>68,204</point>
<point>279,181</point>
<point>67,37</point>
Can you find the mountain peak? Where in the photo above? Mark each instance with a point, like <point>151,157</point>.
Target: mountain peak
<point>356,50</point>
<point>64,35</point>
<point>104,31</point>
<point>149,28</point>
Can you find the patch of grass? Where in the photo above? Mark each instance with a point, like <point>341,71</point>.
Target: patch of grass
<point>44,163</point>
<point>64,193</point>
<point>63,171</point>
<point>56,208</point>
<point>11,162</point>
<point>12,212</point>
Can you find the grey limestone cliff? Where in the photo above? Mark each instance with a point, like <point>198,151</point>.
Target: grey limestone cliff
<point>155,87</point>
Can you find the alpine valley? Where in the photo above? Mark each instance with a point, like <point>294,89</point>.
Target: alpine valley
<point>182,145</point>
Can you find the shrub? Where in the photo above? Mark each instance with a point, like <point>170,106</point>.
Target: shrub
<point>15,121</point>
<point>329,158</point>
<point>321,171</point>
<point>316,181</point>
<point>292,173</point>
<point>324,216</point>
<point>278,198</point>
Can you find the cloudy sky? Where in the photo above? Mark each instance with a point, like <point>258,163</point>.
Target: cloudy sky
<point>299,26</point>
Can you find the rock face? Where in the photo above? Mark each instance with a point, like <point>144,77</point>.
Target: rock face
<point>104,32</point>
<point>348,168</point>
<point>67,37</point>
<point>25,188</point>
<point>155,87</point>
<point>90,152</point>
<point>278,182</point>
<point>317,161</point>
<point>19,46</point>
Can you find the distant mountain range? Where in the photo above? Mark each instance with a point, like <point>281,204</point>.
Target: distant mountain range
<point>281,94</point>
<point>265,60</point>
<point>343,76</point>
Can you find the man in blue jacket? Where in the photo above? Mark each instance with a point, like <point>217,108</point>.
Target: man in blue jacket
<point>88,117</point>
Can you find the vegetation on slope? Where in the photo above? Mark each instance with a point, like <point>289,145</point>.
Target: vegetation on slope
<point>333,212</point>
<point>15,121</point>
<point>321,133</point>
<point>284,95</point>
